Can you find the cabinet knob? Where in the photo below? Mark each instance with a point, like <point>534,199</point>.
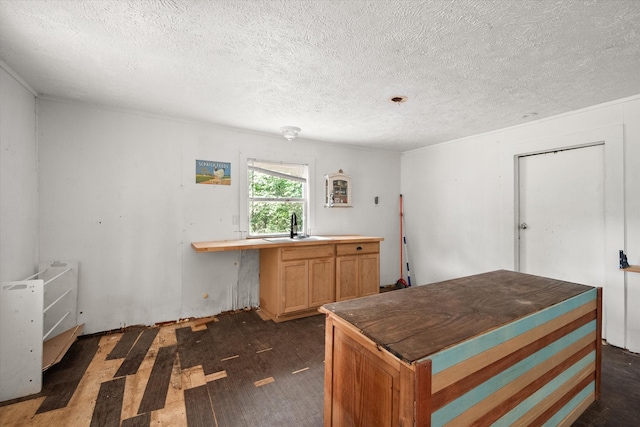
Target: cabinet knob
<point>359,248</point>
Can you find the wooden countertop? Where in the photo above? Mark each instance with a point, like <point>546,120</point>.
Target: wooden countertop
<point>416,322</point>
<point>236,245</point>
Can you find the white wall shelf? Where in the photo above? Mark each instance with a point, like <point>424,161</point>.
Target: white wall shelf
<point>337,190</point>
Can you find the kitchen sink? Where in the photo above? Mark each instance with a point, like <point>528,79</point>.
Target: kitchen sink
<point>295,239</point>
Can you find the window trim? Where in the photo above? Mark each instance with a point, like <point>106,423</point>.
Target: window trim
<point>276,173</point>
<point>243,193</point>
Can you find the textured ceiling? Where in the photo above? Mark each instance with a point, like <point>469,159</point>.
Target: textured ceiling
<point>331,67</point>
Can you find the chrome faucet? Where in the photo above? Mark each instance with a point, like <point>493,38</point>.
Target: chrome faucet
<point>294,225</point>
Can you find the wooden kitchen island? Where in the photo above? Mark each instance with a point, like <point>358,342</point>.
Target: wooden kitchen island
<point>500,347</point>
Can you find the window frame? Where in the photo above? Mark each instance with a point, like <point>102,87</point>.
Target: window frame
<point>245,199</point>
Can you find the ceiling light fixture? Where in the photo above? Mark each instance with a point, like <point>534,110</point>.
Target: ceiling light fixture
<point>290,132</point>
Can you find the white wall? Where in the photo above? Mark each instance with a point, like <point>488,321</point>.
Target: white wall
<point>118,194</point>
<point>18,180</point>
<point>460,222</point>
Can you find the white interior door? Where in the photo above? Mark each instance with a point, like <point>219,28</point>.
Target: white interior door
<point>561,215</point>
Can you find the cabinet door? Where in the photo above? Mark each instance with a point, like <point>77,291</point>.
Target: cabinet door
<point>322,279</point>
<point>369,274</point>
<point>295,286</point>
<point>364,390</point>
<point>347,277</point>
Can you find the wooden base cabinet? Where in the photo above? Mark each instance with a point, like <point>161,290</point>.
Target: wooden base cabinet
<point>357,270</point>
<point>294,282</point>
<point>307,284</point>
<point>499,348</point>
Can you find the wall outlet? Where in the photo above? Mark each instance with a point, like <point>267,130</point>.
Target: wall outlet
<point>235,219</point>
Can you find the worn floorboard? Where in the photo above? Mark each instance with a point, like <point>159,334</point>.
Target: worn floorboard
<point>192,346</point>
<point>155,393</point>
<point>238,370</point>
<point>143,420</point>
<point>126,342</point>
<point>109,404</point>
<point>198,407</point>
<point>224,395</point>
<point>61,380</point>
<point>137,354</point>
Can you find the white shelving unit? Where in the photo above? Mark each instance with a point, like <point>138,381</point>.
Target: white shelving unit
<point>38,324</point>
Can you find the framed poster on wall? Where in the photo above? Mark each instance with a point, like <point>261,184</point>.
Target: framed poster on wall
<point>213,172</point>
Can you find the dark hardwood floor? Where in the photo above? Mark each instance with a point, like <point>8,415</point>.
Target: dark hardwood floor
<point>619,403</point>
<point>236,370</point>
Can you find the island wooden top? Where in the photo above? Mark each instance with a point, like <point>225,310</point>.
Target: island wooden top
<point>416,322</point>
<point>236,245</point>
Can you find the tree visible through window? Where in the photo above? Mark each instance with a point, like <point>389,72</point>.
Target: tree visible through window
<point>276,191</point>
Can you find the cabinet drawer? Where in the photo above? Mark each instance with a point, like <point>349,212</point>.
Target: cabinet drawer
<point>307,252</point>
<point>357,248</point>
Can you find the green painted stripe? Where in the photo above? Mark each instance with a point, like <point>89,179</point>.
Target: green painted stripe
<point>479,393</point>
<point>571,405</point>
<point>526,405</point>
<point>456,354</point>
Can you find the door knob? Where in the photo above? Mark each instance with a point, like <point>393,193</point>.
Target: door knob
<point>523,226</point>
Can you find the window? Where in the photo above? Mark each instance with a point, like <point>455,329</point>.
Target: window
<point>276,191</point>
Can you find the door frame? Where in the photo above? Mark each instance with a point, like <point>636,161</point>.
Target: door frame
<point>614,295</point>
<point>517,261</point>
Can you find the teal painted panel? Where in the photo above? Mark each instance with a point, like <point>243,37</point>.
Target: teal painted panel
<point>479,393</point>
<point>456,354</point>
<point>527,404</point>
<point>570,406</point>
